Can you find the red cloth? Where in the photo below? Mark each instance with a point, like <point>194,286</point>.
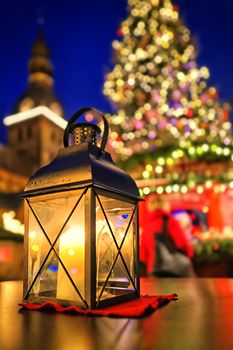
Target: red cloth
<point>142,306</point>
<point>154,225</point>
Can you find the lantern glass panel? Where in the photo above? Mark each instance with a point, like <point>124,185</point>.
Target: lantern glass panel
<point>115,235</point>
<point>52,211</point>
<point>38,248</point>
<point>56,245</point>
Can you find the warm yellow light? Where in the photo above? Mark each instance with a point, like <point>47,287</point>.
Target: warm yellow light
<point>205,72</point>
<point>149,167</point>
<point>180,153</point>
<point>180,76</point>
<point>120,82</point>
<point>213,148</point>
<point>222,188</point>
<point>208,184</point>
<point>35,247</point>
<point>71,253</point>
<point>191,183</point>
<point>158,59</point>
<point>175,154</point>
<point>200,189</point>
<point>175,188</point>
<point>168,189</point>
<point>131,81</point>
<point>194,74</point>
<point>145,145</point>
<point>146,190</point>
<point>159,169</point>
<point>205,210</point>
<point>146,174</point>
<point>160,190</point>
<point>184,189</point>
<point>11,224</point>
<point>205,147</point>
<point>219,151</point>
<point>226,151</point>
<point>170,161</point>
<point>161,161</point>
<point>192,151</point>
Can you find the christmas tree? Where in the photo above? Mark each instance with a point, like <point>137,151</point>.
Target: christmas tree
<point>168,123</point>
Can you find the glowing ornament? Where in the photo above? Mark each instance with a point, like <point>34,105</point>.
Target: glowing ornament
<point>190,113</point>
<point>151,134</point>
<point>176,95</point>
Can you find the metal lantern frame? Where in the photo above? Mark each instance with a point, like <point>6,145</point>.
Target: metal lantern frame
<point>105,182</point>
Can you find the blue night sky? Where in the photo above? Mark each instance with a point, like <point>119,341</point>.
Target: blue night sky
<point>80,34</point>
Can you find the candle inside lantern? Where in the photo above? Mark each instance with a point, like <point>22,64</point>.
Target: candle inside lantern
<point>71,253</point>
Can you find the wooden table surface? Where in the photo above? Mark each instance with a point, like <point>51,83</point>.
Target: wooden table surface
<point>202,319</point>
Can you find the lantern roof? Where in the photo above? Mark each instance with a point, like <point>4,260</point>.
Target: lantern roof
<point>79,166</point>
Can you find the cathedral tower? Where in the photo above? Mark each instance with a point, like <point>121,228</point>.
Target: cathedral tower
<point>35,129</point>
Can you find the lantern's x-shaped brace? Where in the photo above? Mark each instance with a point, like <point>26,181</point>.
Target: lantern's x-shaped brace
<point>118,249</point>
<point>54,250</point>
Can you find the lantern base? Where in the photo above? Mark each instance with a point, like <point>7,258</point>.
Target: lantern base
<point>97,305</point>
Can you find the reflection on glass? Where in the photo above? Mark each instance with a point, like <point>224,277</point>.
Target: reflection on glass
<point>45,284</point>
<point>111,269</point>
<point>38,247</point>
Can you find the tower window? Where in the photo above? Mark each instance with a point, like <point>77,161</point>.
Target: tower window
<point>53,136</point>
<point>29,132</point>
<point>20,135</point>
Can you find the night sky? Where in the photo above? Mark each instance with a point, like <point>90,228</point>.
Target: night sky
<point>80,33</point>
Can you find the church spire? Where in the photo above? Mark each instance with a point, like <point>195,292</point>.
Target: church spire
<point>40,67</point>
<point>40,79</point>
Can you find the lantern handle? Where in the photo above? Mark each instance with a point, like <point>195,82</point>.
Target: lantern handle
<point>78,114</point>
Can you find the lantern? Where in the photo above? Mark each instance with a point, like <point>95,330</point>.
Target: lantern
<point>81,222</point>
